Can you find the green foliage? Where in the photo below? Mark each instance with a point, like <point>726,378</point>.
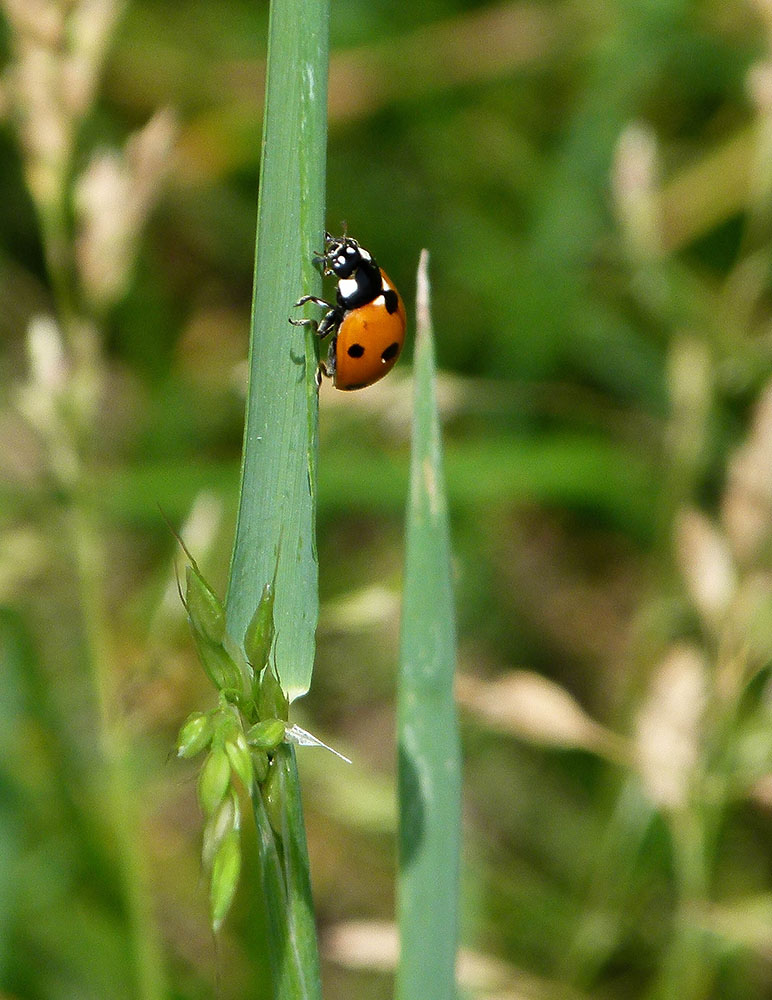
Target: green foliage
<point>243,738</point>
<point>593,183</point>
<point>427,738</point>
<point>275,527</point>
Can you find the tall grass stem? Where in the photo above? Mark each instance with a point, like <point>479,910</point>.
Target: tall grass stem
<point>275,533</point>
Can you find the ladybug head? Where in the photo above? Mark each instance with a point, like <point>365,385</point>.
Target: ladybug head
<point>343,255</point>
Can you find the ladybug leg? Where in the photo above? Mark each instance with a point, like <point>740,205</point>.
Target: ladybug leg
<point>323,328</point>
<point>322,262</point>
<point>305,322</point>
<point>330,321</point>
<point>328,367</point>
<point>316,301</point>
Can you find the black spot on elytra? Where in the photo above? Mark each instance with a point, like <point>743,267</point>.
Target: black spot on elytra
<point>391,352</point>
<point>355,351</point>
<point>391,299</point>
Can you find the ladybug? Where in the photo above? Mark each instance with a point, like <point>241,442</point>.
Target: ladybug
<point>368,321</point>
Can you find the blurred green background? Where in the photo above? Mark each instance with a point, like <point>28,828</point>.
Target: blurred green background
<point>592,180</point>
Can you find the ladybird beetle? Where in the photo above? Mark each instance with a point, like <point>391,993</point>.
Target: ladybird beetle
<point>368,321</point>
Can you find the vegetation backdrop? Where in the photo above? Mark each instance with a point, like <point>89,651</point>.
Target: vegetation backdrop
<point>593,180</point>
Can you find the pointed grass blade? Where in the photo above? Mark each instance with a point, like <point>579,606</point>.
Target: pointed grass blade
<point>277,499</point>
<point>428,742</point>
<point>276,521</point>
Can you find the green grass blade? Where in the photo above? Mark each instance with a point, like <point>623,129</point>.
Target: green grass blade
<point>294,955</point>
<point>278,468</point>
<point>276,521</point>
<point>429,752</point>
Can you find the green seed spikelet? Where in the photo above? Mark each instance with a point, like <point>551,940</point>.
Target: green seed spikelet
<point>226,868</point>
<point>195,735</point>
<point>267,734</point>
<point>260,633</point>
<point>214,780</point>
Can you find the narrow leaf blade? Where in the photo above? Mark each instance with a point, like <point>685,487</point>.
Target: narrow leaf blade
<point>276,504</point>
<point>429,753</point>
